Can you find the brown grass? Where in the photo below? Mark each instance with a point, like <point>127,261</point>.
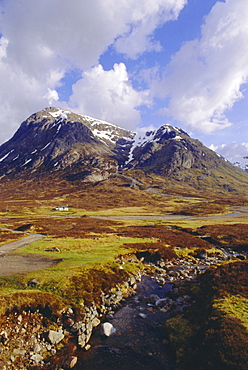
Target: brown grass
<point>234,236</point>
<point>205,337</point>
<point>77,227</point>
<point>8,236</point>
<point>167,235</point>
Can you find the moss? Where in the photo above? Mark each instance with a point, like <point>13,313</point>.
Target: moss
<point>30,298</point>
<point>233,306</point>
<point>179,332</point>
<point>213,333</point>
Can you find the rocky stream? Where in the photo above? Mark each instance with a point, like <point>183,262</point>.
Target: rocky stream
<point>124,333</point>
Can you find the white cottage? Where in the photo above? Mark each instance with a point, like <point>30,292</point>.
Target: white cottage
<point>62,208</point>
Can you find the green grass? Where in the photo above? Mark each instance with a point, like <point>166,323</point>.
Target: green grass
<point>234,306</point>
<point>78,258</point>
<point>78,252</point>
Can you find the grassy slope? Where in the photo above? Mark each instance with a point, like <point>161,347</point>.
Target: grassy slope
<point>213,332</point>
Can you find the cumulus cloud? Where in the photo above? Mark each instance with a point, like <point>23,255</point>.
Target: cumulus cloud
<point>80,31</point>
<point>43,40</point>
<point>235,152</point>
<point>150,15</point>
<point>206,76</point>
<point>20,95</point>
<point>108,95</point>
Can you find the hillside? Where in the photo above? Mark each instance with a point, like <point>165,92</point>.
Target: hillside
<point>66,150</point>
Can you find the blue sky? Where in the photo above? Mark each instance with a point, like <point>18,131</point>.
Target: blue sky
<point>135,63</point>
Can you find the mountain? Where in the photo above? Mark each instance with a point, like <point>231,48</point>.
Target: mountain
<point>80,148</point>
<point>55,140</point>
<point>242,163</point>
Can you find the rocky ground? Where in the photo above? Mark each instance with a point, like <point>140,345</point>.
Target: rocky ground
<point>35,340</point>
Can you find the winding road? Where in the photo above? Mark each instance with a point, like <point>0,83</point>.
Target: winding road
<point>237,212</point>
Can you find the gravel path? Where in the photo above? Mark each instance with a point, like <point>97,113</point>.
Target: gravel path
<point>20,243</point>
<point>236,212</point>
<point>11,264</point>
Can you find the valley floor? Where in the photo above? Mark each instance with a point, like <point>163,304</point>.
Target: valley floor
<point>72,266</point>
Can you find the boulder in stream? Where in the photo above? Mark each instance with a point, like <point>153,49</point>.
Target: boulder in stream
<point>107,329</point>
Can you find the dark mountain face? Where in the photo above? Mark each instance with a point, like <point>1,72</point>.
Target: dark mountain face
<point>54,140</point>
<point>169,150</point>
<point>77,147</point>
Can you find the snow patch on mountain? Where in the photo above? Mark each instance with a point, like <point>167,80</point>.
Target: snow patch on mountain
<point>142,139</point>
<point>60,113</point>
<point>102,130</point>
<point>6,155</point>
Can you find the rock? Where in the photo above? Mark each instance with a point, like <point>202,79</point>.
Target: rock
<point>3,337</point>
<point>142,315</point>
<point>55,249</point>
<point>55,337</point>
<point>165,309</point>
<point>161,302</point>
<point>37,348</point>
<point>95,322</point>
<point>107,329</point>
<point>81,339</point>
<point>36,358</point>
<point>70,362</point>
<point>153,298</point>
<point>33,283</point>
<point>132,280</point>
<point>180,300</point>
<point>241,257</point>
<point>78,326</point>
<point>88,331</point>
<point>69,322</point>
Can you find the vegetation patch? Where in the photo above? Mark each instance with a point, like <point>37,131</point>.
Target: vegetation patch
<point>167,235</point>
<point>75,278</point>
<point>152,252</point>
<point>8,236</point>
<point>200,209</point>
<point>234,236</point>
<point>233,306</point>
<point>217,321</point>
<point>13,299</point>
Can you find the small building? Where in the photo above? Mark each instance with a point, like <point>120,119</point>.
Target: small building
<point>62,208</point>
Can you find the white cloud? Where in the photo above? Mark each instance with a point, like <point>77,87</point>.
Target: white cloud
<point>78,32</point>
<point>206,76</point>
<point>20,95</point>
<point>42,40</point>
<point>234,152</point>
<point>108,95</point>
<point>150,15</point>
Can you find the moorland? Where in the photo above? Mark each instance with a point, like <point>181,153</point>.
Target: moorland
<point>77,258</point>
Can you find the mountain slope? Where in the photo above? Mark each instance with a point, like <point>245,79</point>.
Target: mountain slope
<point>171,153</point>
<point>74,147</point>
<point>54,140</point>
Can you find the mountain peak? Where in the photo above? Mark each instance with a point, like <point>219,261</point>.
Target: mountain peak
<point>79,147</point>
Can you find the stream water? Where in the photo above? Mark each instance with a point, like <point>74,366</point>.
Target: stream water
<point>138,342</point>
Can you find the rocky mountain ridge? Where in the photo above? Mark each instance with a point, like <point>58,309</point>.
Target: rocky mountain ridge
<point>243,163</point>
<point>77,147</point>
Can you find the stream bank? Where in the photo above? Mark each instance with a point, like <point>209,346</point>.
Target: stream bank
<point>138,337</point>
<point>137,319</point>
